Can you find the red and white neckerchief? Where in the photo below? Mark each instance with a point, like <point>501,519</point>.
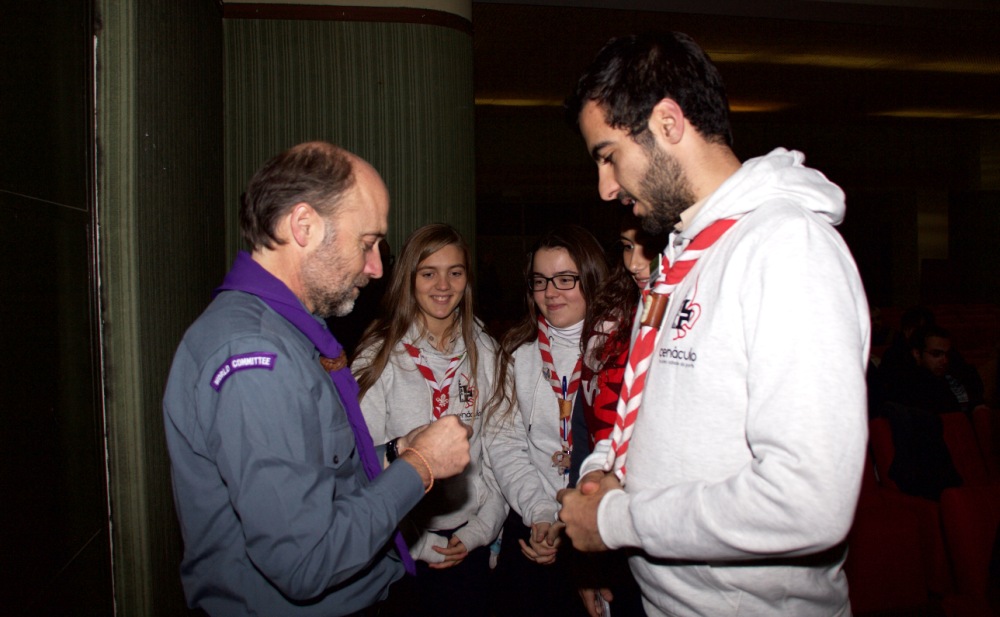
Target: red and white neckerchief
<point>654,308</point>
<point>439,390</point>
<point>564,390</point>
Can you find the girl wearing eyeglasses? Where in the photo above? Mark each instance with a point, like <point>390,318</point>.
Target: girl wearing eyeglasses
<point>426,356</point>
<point>530,441</point>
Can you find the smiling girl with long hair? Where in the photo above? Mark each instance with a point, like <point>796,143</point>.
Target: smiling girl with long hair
<point>425,356</point>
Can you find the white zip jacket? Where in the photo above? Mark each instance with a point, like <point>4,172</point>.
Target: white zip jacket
<point>745,464</point>
<point>400,401</point>
<point>521,443</point>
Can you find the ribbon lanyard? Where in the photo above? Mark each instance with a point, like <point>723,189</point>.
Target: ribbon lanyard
<point>565,414</point>
<point>564,390</point>
<point>440,400</point>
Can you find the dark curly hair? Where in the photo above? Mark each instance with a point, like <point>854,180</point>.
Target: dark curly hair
<point>631,74</point>
<point>617,298</point>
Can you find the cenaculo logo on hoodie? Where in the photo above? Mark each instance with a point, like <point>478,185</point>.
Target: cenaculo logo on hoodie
<point>679,356</point>
<point>467,396</point>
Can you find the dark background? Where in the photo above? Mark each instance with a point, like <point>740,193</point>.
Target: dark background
<point>899,105</point>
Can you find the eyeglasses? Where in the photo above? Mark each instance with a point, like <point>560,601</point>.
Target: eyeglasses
<point>562,282</point>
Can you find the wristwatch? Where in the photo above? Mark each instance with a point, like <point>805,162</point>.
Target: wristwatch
<point>391,453</point>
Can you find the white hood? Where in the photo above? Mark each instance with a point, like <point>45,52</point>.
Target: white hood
<point>777,175</point>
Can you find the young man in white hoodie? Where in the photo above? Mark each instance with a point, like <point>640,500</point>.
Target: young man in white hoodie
<point>745,427</point>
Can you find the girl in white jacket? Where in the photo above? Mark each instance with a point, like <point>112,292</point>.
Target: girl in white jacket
<point>530,439</point>
<point>426,356</point>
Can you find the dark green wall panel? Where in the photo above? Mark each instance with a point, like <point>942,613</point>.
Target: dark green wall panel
<point>398,95</point>
<point>159,101</point>
<point>55,549</point>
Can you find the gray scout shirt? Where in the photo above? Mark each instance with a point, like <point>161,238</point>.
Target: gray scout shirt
<point>277,514</point>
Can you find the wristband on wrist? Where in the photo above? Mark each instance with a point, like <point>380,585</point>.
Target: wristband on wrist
<point>424,461</point>
<point>391,453</point>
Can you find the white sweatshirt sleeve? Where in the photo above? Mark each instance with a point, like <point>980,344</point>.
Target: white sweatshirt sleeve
<point>597,457</point>
<point>485,525</point>
<point>520,481</point>
<point>422,549</point>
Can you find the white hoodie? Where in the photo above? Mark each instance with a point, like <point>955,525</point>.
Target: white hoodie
<point>400,401</point>
<point>523,440</point>
<point>745,464</point>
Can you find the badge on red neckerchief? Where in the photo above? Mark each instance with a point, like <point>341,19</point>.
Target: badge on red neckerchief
<point>440,400</point>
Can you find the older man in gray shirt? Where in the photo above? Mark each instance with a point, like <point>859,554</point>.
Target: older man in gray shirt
<point>283,501</point>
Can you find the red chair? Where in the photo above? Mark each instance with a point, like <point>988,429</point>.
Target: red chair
<point>965,449</point>
<point>970,514</point>
<point>884,564</point>
<point>937,574</point>
<point>986,423</point>
<point>882,450</point>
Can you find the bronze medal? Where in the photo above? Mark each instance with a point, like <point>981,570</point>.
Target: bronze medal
<point>565,408</point>
<point>561,459</point>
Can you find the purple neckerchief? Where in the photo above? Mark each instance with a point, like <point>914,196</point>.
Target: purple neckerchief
<point>250,277</point>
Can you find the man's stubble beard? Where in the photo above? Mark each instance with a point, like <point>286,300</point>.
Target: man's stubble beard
<point>665,187</point>
<point>341,306</point>
<point>329,298</point>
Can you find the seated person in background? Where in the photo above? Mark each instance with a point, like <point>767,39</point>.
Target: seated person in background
<point>935,381</point>
<point>916,394</point>
<point>897,356</point>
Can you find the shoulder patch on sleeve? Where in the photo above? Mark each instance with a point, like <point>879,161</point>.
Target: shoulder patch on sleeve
<point>241,362</point>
